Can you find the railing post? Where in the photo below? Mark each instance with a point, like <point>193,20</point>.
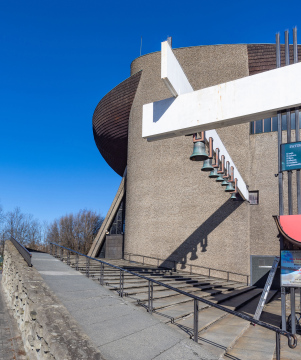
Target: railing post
<point>68,257</point>
<point>190,269</point>
<point>50,249</point>
<point>277,346</point>
<point>150,296</point>
<point>227,275</point>
<point>55,251</point>
<point>121,281</point>
<point>196,320</point>
<point>77,258</point>
<point>62,254</point>
<point>101,279</point>
<point>209,272</point>
<point>87,267</point>
<point>247,280</point>
<point>143,260</point>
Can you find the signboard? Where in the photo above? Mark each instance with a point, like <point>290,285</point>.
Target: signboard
<point>291,156</point>
<point>291,268</point>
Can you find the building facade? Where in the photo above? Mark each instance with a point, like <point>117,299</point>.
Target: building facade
<point>173,211</point>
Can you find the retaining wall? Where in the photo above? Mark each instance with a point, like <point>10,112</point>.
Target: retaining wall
<point>48,330</point>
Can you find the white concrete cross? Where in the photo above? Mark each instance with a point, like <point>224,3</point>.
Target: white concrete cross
<point>235,102</point>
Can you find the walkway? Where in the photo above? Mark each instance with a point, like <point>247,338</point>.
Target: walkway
<point>119,329</point>
<point>11,346</point>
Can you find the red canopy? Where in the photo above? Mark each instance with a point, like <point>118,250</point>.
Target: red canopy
<point>290,227</point>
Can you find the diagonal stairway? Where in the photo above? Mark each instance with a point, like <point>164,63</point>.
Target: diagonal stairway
<point>222,334</point>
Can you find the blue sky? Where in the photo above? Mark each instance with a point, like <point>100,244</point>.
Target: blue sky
<point>59,58</point>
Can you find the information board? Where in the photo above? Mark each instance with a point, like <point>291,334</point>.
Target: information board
<point>291,156</point>
<point>291,268</point>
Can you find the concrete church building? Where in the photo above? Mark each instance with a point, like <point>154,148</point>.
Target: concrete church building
<point>167,208</point>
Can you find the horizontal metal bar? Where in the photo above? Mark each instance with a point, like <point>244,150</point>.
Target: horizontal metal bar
<point>198,266</point>
<point>242,316</point>
<point>22,250</point>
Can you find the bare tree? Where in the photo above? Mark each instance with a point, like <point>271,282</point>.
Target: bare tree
<point>75,231</point>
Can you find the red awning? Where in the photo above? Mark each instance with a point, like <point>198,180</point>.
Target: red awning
<point>290,227</point>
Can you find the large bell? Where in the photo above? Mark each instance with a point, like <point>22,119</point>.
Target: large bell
<point>199,152</point>
<point>214,174</point>
<point>224,183</point>
<point>230,187</point>
<point>233,196</point>
<point>207,165</point>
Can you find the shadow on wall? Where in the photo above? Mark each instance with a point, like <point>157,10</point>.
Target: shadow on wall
<point>200,235</point>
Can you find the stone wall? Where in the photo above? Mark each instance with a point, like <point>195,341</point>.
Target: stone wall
<point>48,330</point>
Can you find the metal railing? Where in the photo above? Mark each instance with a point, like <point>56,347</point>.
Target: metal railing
<point>175,263</point>
<point>292,339</point>
<point>22,250</point>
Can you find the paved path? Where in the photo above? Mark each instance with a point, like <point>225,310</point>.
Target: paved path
<point>119,329</point>
<point>11,346</point>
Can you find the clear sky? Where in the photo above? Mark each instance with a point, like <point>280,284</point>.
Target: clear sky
<point>59,58</point>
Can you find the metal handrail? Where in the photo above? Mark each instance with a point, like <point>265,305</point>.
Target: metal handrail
<point>22,250</point>
<point>175,262</point>
<point>292,339</point>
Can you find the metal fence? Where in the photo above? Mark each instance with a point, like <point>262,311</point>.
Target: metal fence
<point>292,339</point>
<point>22,250</point>
<point>190,266</point>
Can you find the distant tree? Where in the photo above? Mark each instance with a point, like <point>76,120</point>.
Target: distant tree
<point>75,231</point>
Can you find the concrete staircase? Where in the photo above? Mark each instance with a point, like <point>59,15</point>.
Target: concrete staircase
<point>224,335</point>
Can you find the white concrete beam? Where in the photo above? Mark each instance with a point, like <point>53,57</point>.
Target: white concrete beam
<point>235,102</point>
<point>172,73</point>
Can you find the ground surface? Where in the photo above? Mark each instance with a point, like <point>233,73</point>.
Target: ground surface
<point>119,329</point>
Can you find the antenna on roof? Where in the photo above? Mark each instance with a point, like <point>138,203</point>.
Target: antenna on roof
<point>169,40</point>
<point>141,46</point>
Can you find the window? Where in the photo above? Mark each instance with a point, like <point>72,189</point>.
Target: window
<point>254,197</point>
<point>271,124</point>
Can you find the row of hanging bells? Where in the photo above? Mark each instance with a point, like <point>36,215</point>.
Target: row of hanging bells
<point>200,154</point>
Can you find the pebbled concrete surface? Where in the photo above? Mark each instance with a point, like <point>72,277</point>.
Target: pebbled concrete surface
<point>119,329</point>
<point>11,345</point>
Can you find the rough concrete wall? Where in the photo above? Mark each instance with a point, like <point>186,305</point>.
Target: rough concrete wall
<point>263,167</point>
<point>48,331</point>
<point>173,210</point>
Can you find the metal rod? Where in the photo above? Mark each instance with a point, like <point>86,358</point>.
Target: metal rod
<point>277,346</point>
<point>62,253</point>
<point>77,259</point>
<point>293,311</point>
<point>101,279</point>
<point>283,308</point>
<point>280,175</point>
<point>196,320</point>
<point>289,130</point>
<point>297,126</point>
<point>87,267</point>
<point>121,280</point>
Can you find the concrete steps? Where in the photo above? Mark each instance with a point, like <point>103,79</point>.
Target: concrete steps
<point>224,335</point>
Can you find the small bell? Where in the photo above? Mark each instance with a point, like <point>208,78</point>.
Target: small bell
<point>207,165</point>
<point>224,183</point>
<point>230,187</point>
<point>233,196</point>
<point>219,179</point>
<point>214,173</point>
<point>199,152</point>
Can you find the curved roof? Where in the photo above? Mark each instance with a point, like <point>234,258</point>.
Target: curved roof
<point>110,123</point>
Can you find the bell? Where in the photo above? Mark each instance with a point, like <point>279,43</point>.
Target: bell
<point>214,173</point>
<point>199,152</point>
<point>230,187</point>
<point>224,183</point>
<point>219,179</point>
<point>207,165</point>
<point>233,196</point>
